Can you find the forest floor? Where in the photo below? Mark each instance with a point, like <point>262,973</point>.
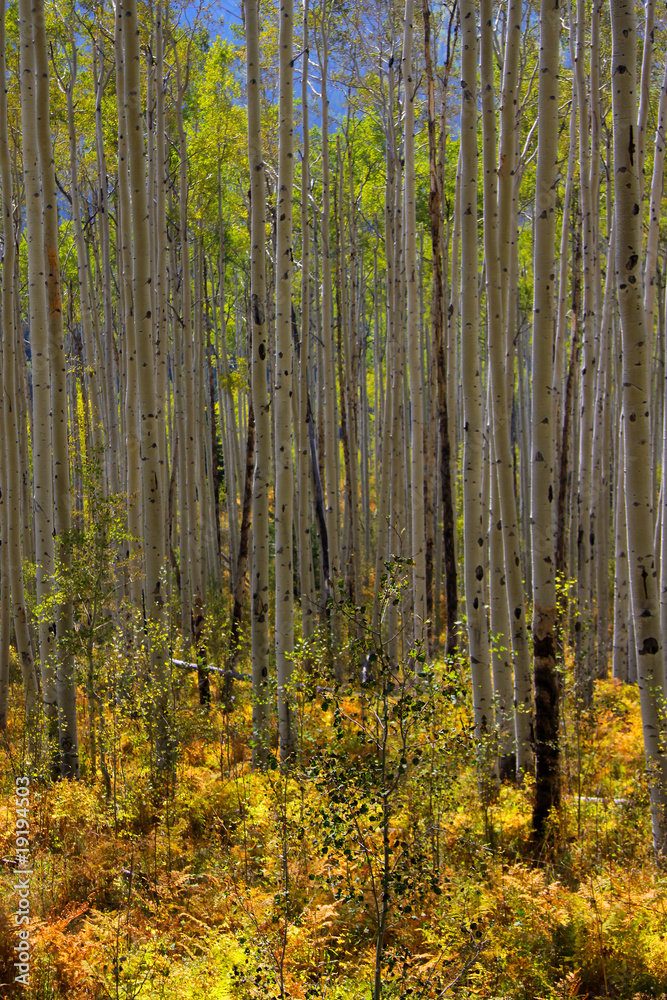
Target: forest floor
<point>244,884</point>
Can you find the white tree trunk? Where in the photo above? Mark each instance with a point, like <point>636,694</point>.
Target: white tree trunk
<point>306,577</point>
<point>474,529</point>
<point>503,467</point>
<point>153,499</point>
<point>65,680</point>
<point>637,406</point>
<point>10,442</point>
<point>284,489</point>
<point>128,326</point>
<point>585,532</point>
<point>547,791</point>
<point>42,444</point>
<point>329,377</point>
<point>260,549</point>
<point>418,552</point>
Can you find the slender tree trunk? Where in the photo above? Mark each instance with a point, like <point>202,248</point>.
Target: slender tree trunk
<point>113,449</point>
<point>330,417</point>
<point>385,463</point>
<point>162,244</point>
<point>154,506</point>
<point>652,278</point>
<point>192,488</point>
<point>547,784</point>
<point>303,524</point>
<point>5,596</point>
<point>128,326</point>
<point>585,532</point>
<point>501,649</point>
<point>416,384</point>
<point>474,528</point>
<point>284,487</point>
<point>504,465</point>
<point>645,89</point>
<point>242,564</point>
<point>622,609</point>
<point>451,351</point>
<point>11,484</point>
<point>260,552</point>
<point>42,443</point>
<point>637,412</point>
<point>65,678</point>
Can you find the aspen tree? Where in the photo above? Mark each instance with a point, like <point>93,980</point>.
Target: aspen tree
<point>385,463</point>
<point>329,378</point>
<point>473,521</point>
<point>128,325</point>
<point>585,530</point>
<point>180,419</point>
<point>13,542</point>
<point>355,350</point>
<point>650,289</point>
<point>451,352</point>
<point>621,581</point>
<point>645,88</point>
<point>42,444</point>
<point>600,502</point>
<point>5,597</point>
<point>90,345</point>
<point>112,452</point>
<point>438,336</point>
<point>162,241</point>
<point>563,384</point>
<point>503,467</point>
<point>153,500</point>
<point>242,563</point>
<point>354,362</point>
<point>652,279</point>
<point>547,789</point>
<point>260,549</point>
<point>24,416</point>
<point>348,375</point>
<point>305,548</point>
<point>397,436</point>
<point>418,551</point>
<point>210,441</point>
<point>191,511</point>
<point>83,260</point>
<point>284,487</point>
<point>636,415</point>
<point>228,410</point>
<point>65,681</point>
<point>501,648</point>
<point>651,286</point>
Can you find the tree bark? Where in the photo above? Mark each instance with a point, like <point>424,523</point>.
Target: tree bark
<point>474,528</point>
<point>503,467</point>
<point>42,443</point>
<point>153,500</point>
<point>547,783</point>
<point>11,484</point>
<point>284,486</point>
<point>418,551</point>
<point>262,475</point>
<point>637,406</point>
